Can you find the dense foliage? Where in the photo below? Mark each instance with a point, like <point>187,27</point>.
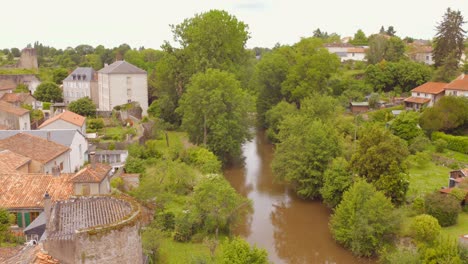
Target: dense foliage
<point>444,208</point>
<point>425,228</point>
<point>448,114</point>
<point>48,92</point>
<point>336,180</point>
<point>238,251</point>
<point>450,37</point>
<point>83,106</point>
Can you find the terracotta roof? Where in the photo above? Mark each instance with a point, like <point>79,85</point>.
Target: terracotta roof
<point>339,45</point>
<point>430,88</point>
<point>460,83</point>
<point>10,161</point>
<point>82,213</point>
<point>417,100</point>
<point>7,85</point>
<point>67,116</point>
<point>464,171</point>
<point>33,147</point>
<point>9,108</point>
<point>15,97</point>
<point>90,174</point>
<point>27,190</point>
<point>357,50</point>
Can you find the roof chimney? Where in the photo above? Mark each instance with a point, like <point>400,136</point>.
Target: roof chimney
<point>47,207</point>
<point>92,159</point>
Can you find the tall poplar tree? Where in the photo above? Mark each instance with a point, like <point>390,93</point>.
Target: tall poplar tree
<point>449,38</point>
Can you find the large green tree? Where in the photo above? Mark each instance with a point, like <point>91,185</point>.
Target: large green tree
<point>336,180</point>
<point>48,92</point>
<point>83,106</point>
<point>449,37</point>
<point>238,251</point>
<point>380,159</point>
<point>360,39</point>
<point>382,47</point>
<point>214,112</point>
<point>363,220</point>
<point>405,125</point>
<point>449,113</point>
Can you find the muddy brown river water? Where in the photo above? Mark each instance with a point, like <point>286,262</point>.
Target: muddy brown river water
<point>290,229</point>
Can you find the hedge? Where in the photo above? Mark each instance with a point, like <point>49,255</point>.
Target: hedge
<point>455,143</point>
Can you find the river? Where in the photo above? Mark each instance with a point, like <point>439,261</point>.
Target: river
<point>290,229</point>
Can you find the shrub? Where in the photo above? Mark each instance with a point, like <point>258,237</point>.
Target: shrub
<point>440,145</point>
<point>117,183</point>
<point>459,194</point>
<point>401,255</point>
<point>419,160</point>
<point>183,228</point>
<point>425,228</point>
<point>455,143</point>
<point>444,208</point>
<point>419,144</point>
<point>204,160</point>
<point>95,123</point>
<point>165,220</point>
<point>418,206</point>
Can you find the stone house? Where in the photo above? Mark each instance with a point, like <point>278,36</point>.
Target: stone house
<point>46,156</point>
<point>425,95</point>
<point>66,120</point>
<point>420,53</point>
<point>457,176</point>
<point>11,162</point>
<point>458,87</point>
<point>94,179</point>
<point>82,82</point>
<point>18,99</point>
<point>12,117</point>
<point>121,83</point>
<point>98,229</point>
<point>70,138</point>
<point>9,82</point>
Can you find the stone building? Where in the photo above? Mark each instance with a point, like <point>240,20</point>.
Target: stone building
<point>121,83</point>
<point>28,59</point>
<point>99,229</point>
<point>94,179</point>
<point>13,117</point>
<point>82,82</point>
<point>9,82</point>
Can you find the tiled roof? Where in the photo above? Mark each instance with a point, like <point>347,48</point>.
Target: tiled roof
<point>464,171</point>
<point>90,174</point>
<point>357,50</point>
<point>9,108</point>
<point>121,67</point>
<point>67,116</point>
<point>15,97</point>
<point>10,161</point>
<point>339,45</point>
<point>33,147</point>
<point>27,190</point>
<point>61,136</point>
<point>86,212</point>
<point>6,85</point>
<point>460,83</point>
<point>417,100</point>
<point>430,88</point>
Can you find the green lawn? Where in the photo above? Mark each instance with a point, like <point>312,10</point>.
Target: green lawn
<point>427,179</point>
<point>173,252</point>
<point>117,133</point>
<point>461,228</point>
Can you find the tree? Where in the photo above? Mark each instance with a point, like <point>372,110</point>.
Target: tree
<point>449,37</point>
<point>363,219</point>
<point>384,48</point>
<point>444,208</point>
<point>448,70</point>
<point>304,151</point>
<point>336,180</point>
<point>59,75</point>
<point>216,206</point>
<point>425,228</point>
<point>21,88</point>
<point>83,106</point>
<point>275,116</point>
<point>6,220</point>
<point>151,241</point>
<point>405,125</point>
<point>16,52</point>
<point>449,113</point>
<point>48,92</point>
<point>380,159</point>
<point>382,30</point>
<point>395,49</point>
<point>204,160</point>
<point>360,39</point>
<point>214,112</point>
<point>238,251</point>
<point>319,34</point>
<point>390,31</point>
<point>444,250</point>
<point>95,123</point>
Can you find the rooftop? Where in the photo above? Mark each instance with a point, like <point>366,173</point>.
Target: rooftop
<point>430,88</point>
<point>6,85</point>
<point>417,100</point>
<point>9,108</point>
<point>84,73</point>
<point>33,147</point>
<point>82,213</point>
<point>90,174</point>
<point>10,161</point>
<point>27,190</point>
<point>460,83</point>
<point>15,97</point>
<point>121,67</point>
<point>61,136</point>
<point>66,116</point>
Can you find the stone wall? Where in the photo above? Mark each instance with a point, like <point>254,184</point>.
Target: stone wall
<point>28,59</point>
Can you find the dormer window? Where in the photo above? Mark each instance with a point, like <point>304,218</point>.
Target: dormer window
<point>73,76</point>
<point>79,77</point>
<point>84,77</point>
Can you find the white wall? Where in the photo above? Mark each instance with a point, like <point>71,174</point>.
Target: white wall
<point>77,158</point>
<point>65,158</point>
<point>74,90</point>
<point>61,124</point>
<point>456,93</point>
<point>24,122</point>
<point>113,90</point>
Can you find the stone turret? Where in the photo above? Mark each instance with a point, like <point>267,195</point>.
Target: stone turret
<point>28,59</point>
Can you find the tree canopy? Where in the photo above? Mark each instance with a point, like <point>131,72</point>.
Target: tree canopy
<point>449,37</point>
<point>83,106</point>
<point>449,113</point>
<point>48,92</point>
<point>238,251</point>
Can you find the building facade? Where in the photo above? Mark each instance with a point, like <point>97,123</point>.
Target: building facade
<point>82,82</point>
<point>12,117</point>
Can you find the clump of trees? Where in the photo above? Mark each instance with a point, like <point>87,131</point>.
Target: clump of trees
<point>48,92</point>
<point>83,106</point>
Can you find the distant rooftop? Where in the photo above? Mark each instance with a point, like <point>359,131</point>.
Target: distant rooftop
<point>83,74</point>
<point>61,136</point>
<point>122,67</point>
<point>90,174</point>
<point>9,108</point>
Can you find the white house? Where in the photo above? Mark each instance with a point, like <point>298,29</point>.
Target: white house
<point>458,87</point>
<point>121,83</point>
<point>115,158</point>
<point>12,117</point>
<point>66,120</point>
<point>425,95</point>
<point>346,51</point>
<point>421,53</point>
<point>82,82</point>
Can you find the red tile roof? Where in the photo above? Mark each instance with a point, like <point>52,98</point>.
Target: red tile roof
<point>15,97</point>
<point>357,50</point>
<point>90,174</point>
<point>430,88</point>
<point>9,108</point>
<point>10,161</point>
<point>67,116</point>
<point>417,100</point>
<point>460,83</point>
<point>33,147</point>
<point>27,190</point>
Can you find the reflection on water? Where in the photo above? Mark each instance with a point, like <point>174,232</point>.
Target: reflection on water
<point>291,229</point>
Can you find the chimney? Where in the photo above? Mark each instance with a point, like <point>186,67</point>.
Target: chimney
<point>92,159</point>
<point>56,171</point>
<point>47,207</point>
<point>48,135</point>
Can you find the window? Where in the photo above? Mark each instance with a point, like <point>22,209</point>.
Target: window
<point>418,94</point>
<point>129,87</point>
<point>61,166</point>
<point>455,93</point>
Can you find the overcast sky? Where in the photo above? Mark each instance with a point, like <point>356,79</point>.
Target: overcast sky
<point>63,23</point>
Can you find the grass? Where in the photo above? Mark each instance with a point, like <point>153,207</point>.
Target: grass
<point>461,228</point>
<point>117,133</point>
<point>14,71</point>
<point>429,178</point>
<point>172,252</point>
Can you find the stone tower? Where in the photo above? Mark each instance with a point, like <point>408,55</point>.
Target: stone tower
<point>28,59</point>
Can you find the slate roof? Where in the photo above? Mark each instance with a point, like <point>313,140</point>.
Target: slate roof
<point>92,175</point>
<point>460,83</point>
<point>15,97</point>
<point>27,190</point>
<point>10,161</point>
<point>121,67</point>
<point>82,71</point>
<point>33,147</point>
<point>430,88</point>
<point>61,136</point>
<point>83,212</point>
<point>67,116</point>
<point>9,108</point>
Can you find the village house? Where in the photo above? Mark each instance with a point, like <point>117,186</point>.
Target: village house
<point>94,179</point>
<point>46,156</point>
<point>457,176</point>
<point>425,95</point>
<point>359,107</point>
<point>11,162</point>
<point>458,87</point>
<point>115,158</point>
<point>121,83</point>
<point>12,117</point>
<point>8,83</point>
<point>65,120</point>
<point>82,82</point>
<point>19,99</point>
<point>346,51</point>
<point>71,138</point>
<point>420,53</point>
